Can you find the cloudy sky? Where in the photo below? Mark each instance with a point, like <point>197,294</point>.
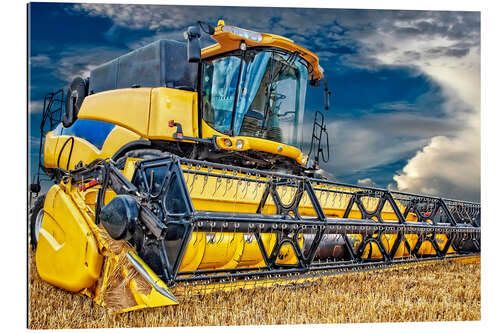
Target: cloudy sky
<point>405,84</point>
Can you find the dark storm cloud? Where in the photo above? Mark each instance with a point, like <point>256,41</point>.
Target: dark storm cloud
<point>460,27</point>
<point>337,33</point>
<point>411,55</point>
<point>454,52</point>
<point>447,51</point>
<point>450,25</point>
<point>61,67</point>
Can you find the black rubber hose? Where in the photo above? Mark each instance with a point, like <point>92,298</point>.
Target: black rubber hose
<point>72,139</point>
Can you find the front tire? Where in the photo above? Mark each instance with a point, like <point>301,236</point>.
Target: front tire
<point>36,218</point>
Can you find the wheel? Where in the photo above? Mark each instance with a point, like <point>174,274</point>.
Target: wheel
<point>74,99</point>
<point>36,218</point>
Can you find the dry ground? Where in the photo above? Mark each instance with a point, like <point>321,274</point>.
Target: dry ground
<point>445,292</point>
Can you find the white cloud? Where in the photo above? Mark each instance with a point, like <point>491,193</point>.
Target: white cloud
<point>449,164</point>
<point>79,61</point>
<point>39,60</point>
<point>326,174</point>
<point>75,61</point>
<point>375,140</point>
<point>164,17</point>
<point>35,107</point>
<point>367,182</point>
<point>34,142</point>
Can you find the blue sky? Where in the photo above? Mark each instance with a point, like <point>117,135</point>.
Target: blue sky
<point>405,84</point>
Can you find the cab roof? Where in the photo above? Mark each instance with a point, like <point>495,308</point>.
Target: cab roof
<point>229,39</point>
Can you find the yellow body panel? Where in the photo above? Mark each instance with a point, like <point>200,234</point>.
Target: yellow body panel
<point>67,254</point>
<point>154,298</point>
<point>210,251</point>
<point>72,250</point>
<point>195,251</point>
<point>83,150</point>
<point>231,250</point>
<point>173,104</point>
<point>251,256</point>
<point>250,143</point>
<point>49,150</point>
<point>128,108</point>
<point>223,250</point>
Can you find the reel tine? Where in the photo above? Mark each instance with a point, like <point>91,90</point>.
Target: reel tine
<point>238,183</point>
<point>205,180</point>
<point>195,231</point>
<point>234,234</point>
<point>228,180</point>
<point>195,176</point>
<point>188,177</point>
<point>329,191</point>
<point>345,197</point>
<point>247,184</point>
<point>256,186</point>
<point>334,198</point>
<point>321,194</point>
<point>218,183</point>
<point>284,191</point>
<point>221,238</point>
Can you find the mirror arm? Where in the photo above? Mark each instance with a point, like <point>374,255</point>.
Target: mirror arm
<point>327,95</point>
<point>193,36</point>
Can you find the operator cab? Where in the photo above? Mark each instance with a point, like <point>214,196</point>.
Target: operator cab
<point>257,92</point>
<point>252,89</point>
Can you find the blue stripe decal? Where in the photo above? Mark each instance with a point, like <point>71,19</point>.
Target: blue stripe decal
<point>94,131</point>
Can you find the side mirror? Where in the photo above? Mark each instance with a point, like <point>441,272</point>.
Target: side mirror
<point>193,44</point>
<point>328,93</point>
<point>207,28</point>
<point>74,98</point>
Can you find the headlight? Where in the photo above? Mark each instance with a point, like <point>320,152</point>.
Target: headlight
<point>304,159</point>
<point>248,34</point>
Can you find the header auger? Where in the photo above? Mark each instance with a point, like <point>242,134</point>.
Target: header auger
<point>177,175</point>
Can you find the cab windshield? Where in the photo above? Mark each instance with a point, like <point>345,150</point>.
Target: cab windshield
<point>256,93</point>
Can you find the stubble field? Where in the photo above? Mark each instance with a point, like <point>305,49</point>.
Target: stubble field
<point>444,292</point>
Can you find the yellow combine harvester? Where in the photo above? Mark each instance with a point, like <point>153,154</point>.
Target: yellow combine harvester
<point>179,170</point>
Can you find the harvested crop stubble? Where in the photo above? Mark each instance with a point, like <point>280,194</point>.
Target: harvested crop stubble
<point>445,292</point>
